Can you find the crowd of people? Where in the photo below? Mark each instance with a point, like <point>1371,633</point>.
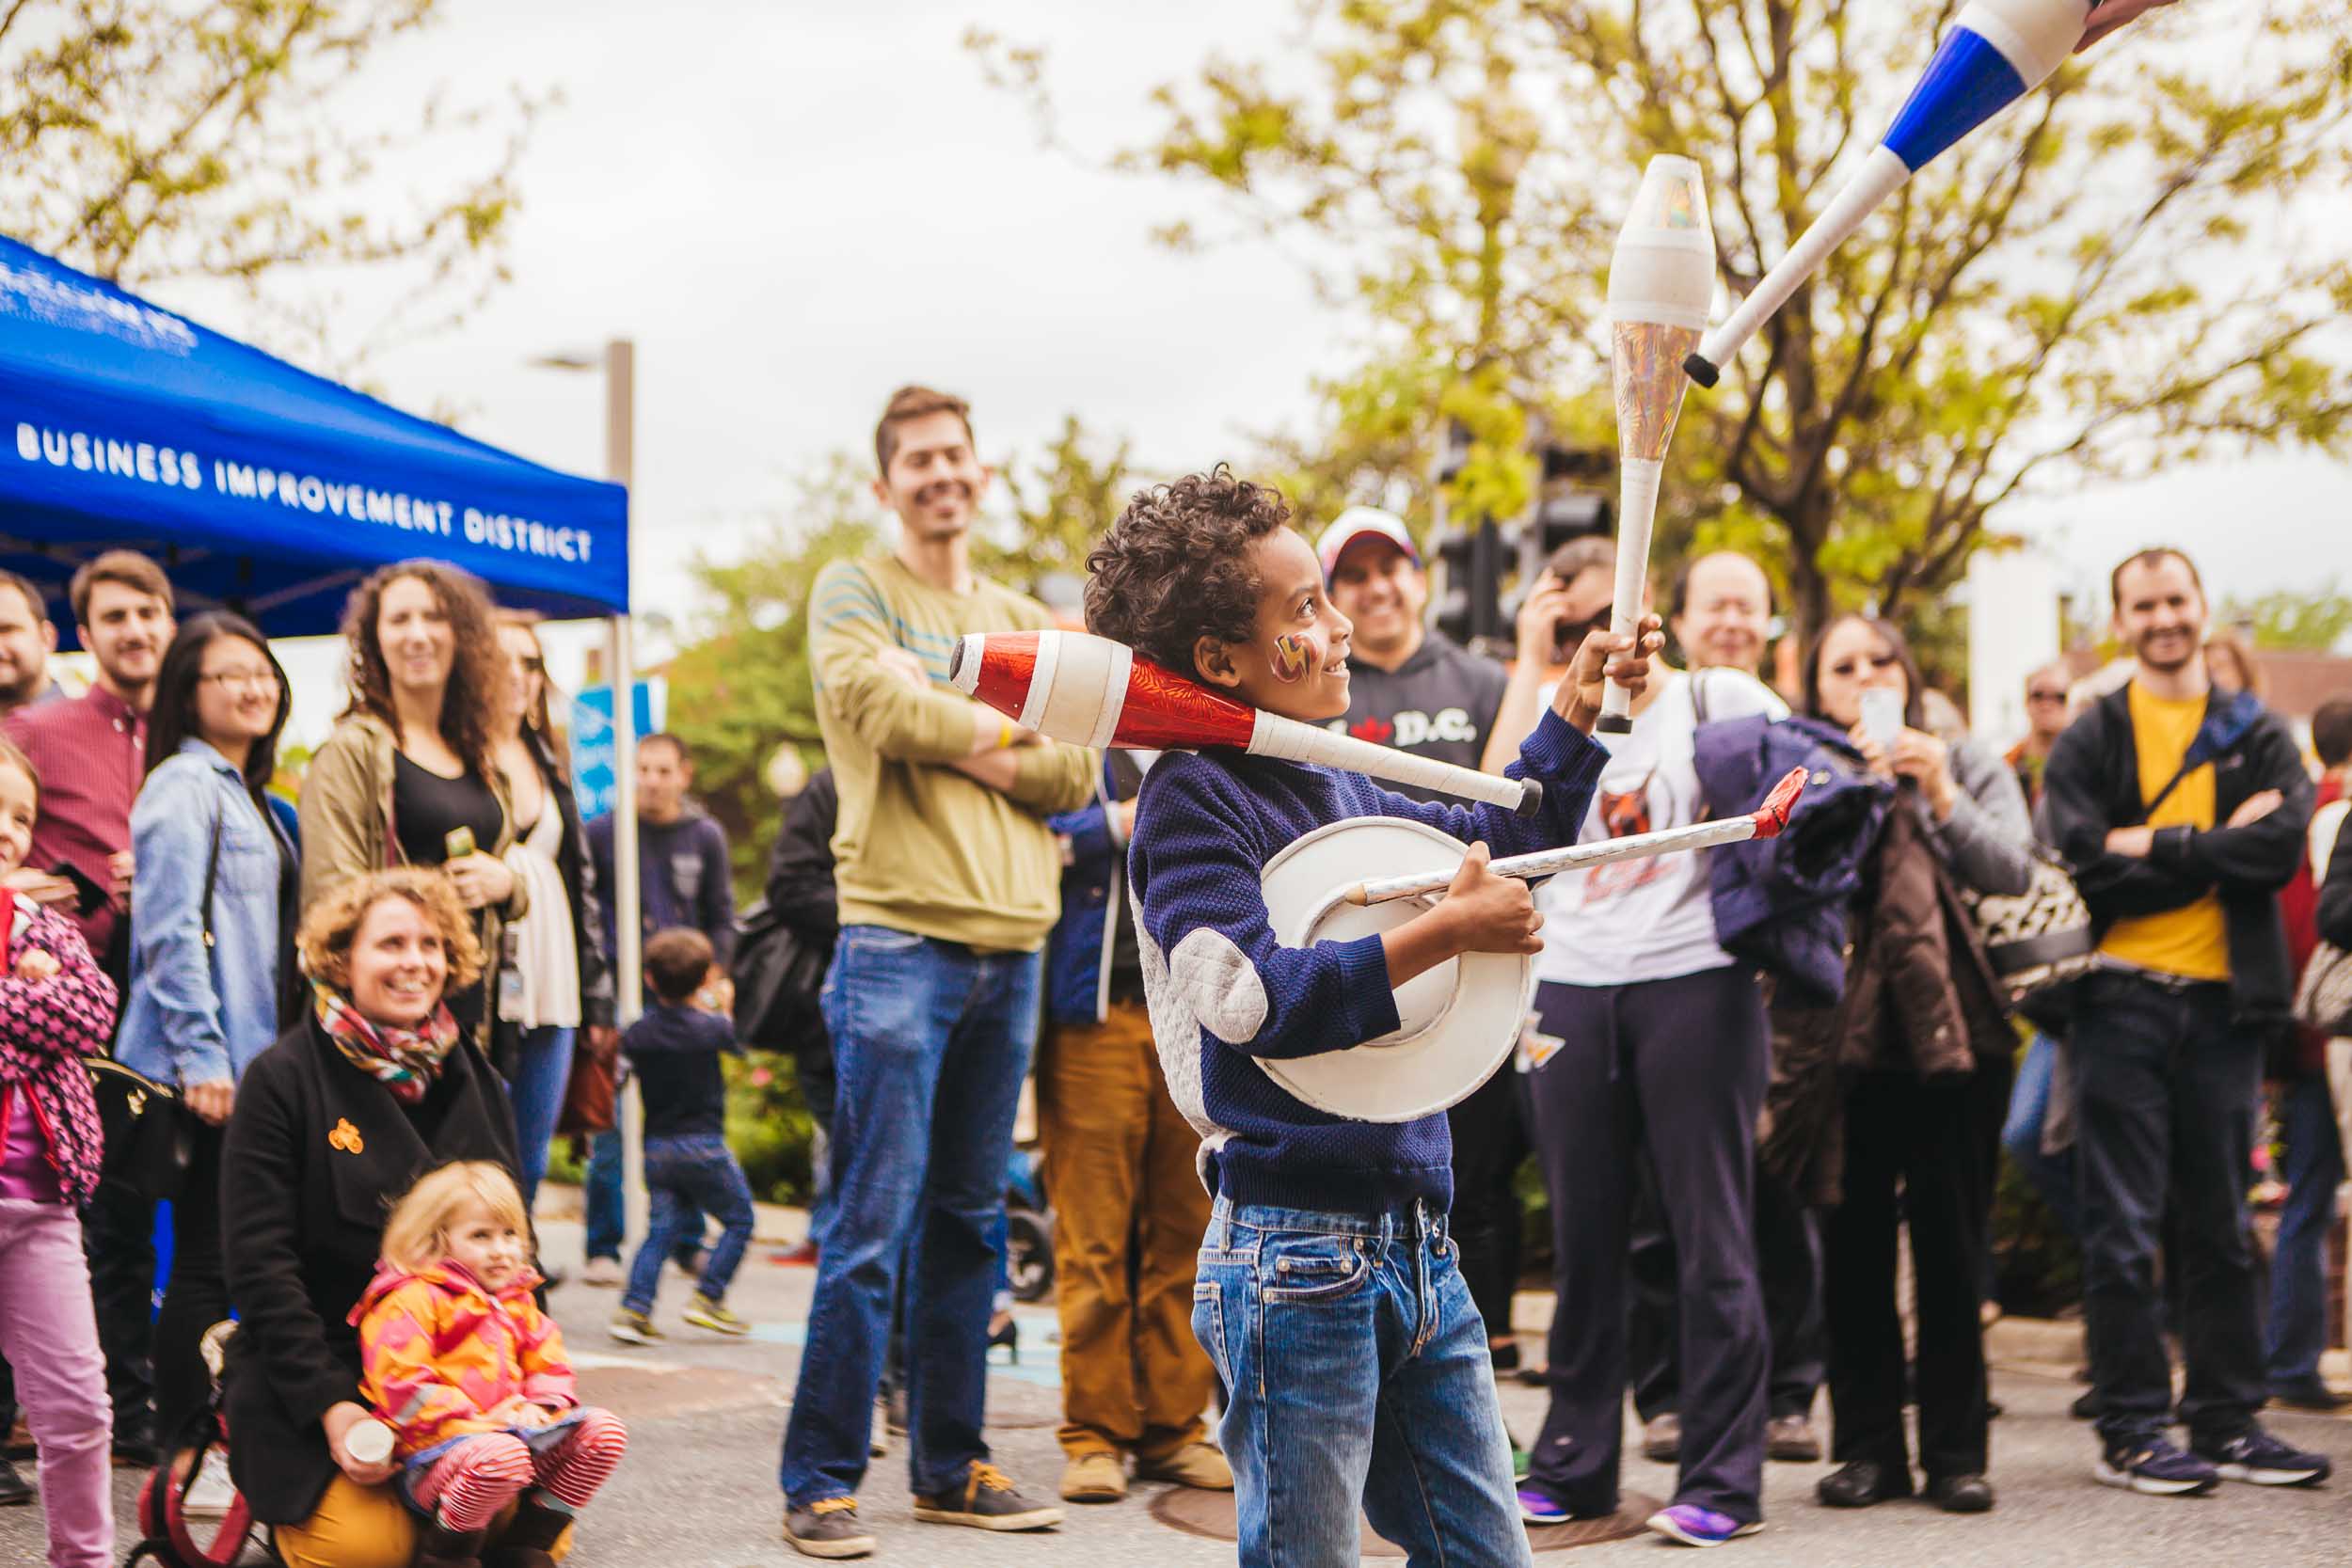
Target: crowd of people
<point>1752,1081</point>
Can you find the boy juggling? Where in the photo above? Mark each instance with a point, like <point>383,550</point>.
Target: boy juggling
<point>1326,1292</point>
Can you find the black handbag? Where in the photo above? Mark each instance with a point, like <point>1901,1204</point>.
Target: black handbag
<point>149,1131</point>
<point>778,974</point>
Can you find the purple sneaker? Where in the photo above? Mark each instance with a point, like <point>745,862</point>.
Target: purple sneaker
<point>1695,1525</point>
<point>1537,1508</point>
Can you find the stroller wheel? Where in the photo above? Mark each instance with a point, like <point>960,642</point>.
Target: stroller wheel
<point>1029,1255</point>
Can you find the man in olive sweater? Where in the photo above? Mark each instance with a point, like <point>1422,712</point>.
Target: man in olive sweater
<point>948,880</point>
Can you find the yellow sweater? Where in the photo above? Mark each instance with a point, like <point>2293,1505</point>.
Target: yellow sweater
<point>918,846</point>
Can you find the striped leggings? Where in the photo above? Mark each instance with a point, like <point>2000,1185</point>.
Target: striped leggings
<point>474,1481</point>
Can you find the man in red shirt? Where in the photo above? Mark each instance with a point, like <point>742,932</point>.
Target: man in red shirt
<point>91,756</point>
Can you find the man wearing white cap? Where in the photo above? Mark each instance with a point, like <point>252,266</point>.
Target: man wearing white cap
<point>1417,689</point>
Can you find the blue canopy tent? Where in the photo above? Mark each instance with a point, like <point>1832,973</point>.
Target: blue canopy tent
<point>259,486</point>
<point>267,490</point>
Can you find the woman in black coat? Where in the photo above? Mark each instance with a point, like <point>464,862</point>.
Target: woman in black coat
<point>331,1125</point>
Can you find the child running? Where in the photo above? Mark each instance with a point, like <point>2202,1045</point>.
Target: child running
<point>1327,1293</point>
<point>458,1360</point>
<point>57,1009</point>
<point>690,1171</point>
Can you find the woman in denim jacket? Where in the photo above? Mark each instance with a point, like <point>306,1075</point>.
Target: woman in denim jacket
<point>213,904</point>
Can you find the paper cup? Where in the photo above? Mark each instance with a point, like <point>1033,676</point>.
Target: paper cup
<point>369,1442</point>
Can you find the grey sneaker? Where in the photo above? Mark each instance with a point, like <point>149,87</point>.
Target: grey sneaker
<point>1791,1439</point>
<point>827,1528</point>
<point>985,1500</point>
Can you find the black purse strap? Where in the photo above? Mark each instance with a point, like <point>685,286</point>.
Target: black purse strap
<point>212,879</point>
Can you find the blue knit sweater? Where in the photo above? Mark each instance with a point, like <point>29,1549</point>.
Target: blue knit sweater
<point>1223,991</point>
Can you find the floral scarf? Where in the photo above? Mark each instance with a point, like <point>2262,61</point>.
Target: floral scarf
<point>405,1061</point>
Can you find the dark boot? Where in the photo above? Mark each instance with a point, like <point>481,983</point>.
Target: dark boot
<point>530,1541</point>
<point>439,1546</point>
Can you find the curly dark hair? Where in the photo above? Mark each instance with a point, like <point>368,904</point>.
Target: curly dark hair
<point>477,671</point>
<point>1175,567</point>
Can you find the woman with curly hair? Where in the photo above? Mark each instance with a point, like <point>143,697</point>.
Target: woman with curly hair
<point>410,774</point>
<point>369,1089</point>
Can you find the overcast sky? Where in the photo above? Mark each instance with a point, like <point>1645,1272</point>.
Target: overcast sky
<point>794,209</point>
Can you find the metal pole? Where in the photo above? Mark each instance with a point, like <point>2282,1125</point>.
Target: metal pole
<point>620,400</point>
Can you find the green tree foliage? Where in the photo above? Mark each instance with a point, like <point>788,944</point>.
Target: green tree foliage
<point>2061,297</point>
<point>2314,621</point>
<point>1062,505</point>
<point>152,140</point>
<point>744,688</point>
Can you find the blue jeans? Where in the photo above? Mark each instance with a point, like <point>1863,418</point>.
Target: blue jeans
<point>604,1199</point>
<point>606,1210</point>
<point>686,1179</point>
<point>543,1069</point>
<point>1359,1376</point>
<point>931,1042</point>
<point>2052,1175</point>
<point>2166,1082</point>
<point>2298,1269</point>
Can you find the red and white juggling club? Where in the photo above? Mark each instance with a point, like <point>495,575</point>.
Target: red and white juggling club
<point>1766,821</point>
<point>1088,690</point>
<point>1996,52</point>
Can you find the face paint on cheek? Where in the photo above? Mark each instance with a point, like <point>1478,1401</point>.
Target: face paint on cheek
<point>1295,654</point>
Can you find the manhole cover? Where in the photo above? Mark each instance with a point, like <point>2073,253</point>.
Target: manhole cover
<point>1210,1514</point>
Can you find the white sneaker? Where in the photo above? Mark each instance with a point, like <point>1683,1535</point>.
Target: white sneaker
<point>604,1273</point>
<point>210,1494</point>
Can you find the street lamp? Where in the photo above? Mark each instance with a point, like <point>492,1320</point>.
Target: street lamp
<point>619,364</point>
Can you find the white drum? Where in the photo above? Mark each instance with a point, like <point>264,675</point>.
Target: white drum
<point>1457,1023</point>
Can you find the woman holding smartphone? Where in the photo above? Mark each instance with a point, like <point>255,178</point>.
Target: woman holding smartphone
<point>1921,1048</point>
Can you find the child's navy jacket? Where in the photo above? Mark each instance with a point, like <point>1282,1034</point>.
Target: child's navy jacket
<point>1223,991</point>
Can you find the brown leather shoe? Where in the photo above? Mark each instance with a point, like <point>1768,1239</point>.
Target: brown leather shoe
<point>439,1547</point>
<point>1098,1476</point>
<point>1198,1466</point>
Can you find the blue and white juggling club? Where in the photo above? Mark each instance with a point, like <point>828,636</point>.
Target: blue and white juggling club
<point>1996,52</point>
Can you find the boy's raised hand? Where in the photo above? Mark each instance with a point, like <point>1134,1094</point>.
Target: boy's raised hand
<point>1604,657</point>
<point>1491,914</point>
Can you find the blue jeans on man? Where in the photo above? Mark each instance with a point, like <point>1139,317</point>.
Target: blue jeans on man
<point>2165,1083</point>
<point>686,1179</point>
<point>2298,1331</point>
<point>931,1040</point>
<point>1359,1376</point>
<point>2052,1175</point>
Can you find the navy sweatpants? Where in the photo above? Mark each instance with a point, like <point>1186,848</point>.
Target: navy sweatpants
<point>1680,1065</point>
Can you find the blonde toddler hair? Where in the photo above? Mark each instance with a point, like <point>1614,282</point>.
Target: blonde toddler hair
<point>417,1235</point>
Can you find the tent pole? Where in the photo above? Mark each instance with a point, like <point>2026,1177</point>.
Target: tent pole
<point>629,926</point>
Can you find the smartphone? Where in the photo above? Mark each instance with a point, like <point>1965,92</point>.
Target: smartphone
<point>1883,714</point>
<point>458,843</point>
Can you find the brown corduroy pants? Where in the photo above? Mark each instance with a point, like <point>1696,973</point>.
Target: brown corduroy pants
<point>1130,1213</point>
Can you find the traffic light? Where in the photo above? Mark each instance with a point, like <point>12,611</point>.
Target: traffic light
<point>1467,554</point>
<point>1571,500</point>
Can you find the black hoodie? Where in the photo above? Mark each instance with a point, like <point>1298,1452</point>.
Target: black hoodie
<point>1441,703</point>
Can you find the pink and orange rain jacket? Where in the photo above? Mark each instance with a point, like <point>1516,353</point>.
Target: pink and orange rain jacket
<point>439,1352</point>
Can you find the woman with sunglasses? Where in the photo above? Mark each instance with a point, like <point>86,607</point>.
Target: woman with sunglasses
<point>212,906</point>
<point>558,982</point>
<point>1649,1043</point>
<point>1920,1048</point>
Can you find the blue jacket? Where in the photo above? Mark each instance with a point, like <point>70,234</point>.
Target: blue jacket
<point>1079,971</point>
<point>1223,991</point>
<point>194,1015</point>
<point>1782,903</point>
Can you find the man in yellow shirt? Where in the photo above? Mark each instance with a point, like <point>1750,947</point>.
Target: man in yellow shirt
<point>2182,808</point>
<point>948,879</point>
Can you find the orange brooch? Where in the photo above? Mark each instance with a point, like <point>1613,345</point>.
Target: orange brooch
<point>345,1136</point>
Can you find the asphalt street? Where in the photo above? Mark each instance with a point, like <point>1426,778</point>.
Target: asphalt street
<point>706,1414</point>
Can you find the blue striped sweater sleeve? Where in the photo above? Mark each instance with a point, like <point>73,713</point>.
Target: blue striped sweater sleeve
<point>1566,760</point>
